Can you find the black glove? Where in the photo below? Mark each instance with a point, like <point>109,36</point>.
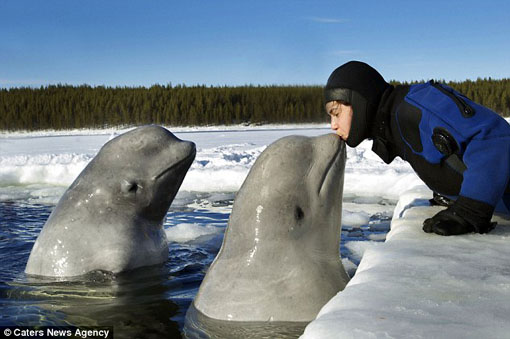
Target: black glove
<point>465,215</point>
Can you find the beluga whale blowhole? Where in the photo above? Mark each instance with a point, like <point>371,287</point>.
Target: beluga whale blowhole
<point>280,257</point>
<point>111,216</point>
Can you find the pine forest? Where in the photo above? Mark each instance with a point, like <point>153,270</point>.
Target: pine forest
<point>74,107</point>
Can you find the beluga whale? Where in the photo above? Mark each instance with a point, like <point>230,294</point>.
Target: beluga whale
<point>280,258</point>
<point>111,217</point>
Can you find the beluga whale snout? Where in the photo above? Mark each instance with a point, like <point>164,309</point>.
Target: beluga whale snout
<point>280,257</point>
<point>111,216</point>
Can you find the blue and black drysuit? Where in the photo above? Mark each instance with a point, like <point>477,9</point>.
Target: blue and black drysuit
<point>457,147</point>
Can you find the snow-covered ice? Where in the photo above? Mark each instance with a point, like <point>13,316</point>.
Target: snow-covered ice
<point>47,162</point>
<point>54,159</point>
<point>187,232</point>
<point>419,285</point>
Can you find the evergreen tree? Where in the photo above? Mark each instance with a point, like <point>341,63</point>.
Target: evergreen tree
<point>65,107</point>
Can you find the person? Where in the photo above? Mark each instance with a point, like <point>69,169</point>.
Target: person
<point>460,149</point>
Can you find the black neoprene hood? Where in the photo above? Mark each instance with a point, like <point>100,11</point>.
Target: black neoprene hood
<point>361,86</point>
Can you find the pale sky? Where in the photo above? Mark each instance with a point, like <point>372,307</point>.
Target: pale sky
<point>141,43</point>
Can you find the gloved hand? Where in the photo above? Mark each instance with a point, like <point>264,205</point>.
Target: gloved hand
<point>466,215</point>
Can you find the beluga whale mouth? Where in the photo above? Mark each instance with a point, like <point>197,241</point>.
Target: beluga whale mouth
<point>338,156</point>
<point>187,160</point>
<point>280,257</point>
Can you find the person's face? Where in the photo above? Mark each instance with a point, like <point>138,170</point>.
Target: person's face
<point>341,118</point>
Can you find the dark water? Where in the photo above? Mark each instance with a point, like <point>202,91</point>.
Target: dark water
<point>145,303</point>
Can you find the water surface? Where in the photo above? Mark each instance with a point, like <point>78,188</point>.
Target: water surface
<point>148,302</point>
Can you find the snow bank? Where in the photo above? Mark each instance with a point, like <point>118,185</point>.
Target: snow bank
<point>419,285</point>
<point>224,158</point>
<point>221,169</point>
<point>52,169</point>
<point>367,175</point>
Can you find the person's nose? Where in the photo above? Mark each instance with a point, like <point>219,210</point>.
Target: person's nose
<point>334,123</point>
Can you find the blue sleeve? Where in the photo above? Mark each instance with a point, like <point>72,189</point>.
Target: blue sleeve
<point>488,168</point>
<point>483,140</point>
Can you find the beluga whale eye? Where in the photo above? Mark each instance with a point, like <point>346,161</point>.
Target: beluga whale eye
<point>129,186</point>
<point>298,213</point>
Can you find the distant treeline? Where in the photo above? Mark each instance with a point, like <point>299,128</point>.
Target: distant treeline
<point>68,107</point>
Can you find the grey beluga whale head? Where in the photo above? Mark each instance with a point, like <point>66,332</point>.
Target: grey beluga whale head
<point>280,257</point>
<point>111,216</point>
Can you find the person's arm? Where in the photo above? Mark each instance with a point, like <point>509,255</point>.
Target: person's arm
<point>486,176</point>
